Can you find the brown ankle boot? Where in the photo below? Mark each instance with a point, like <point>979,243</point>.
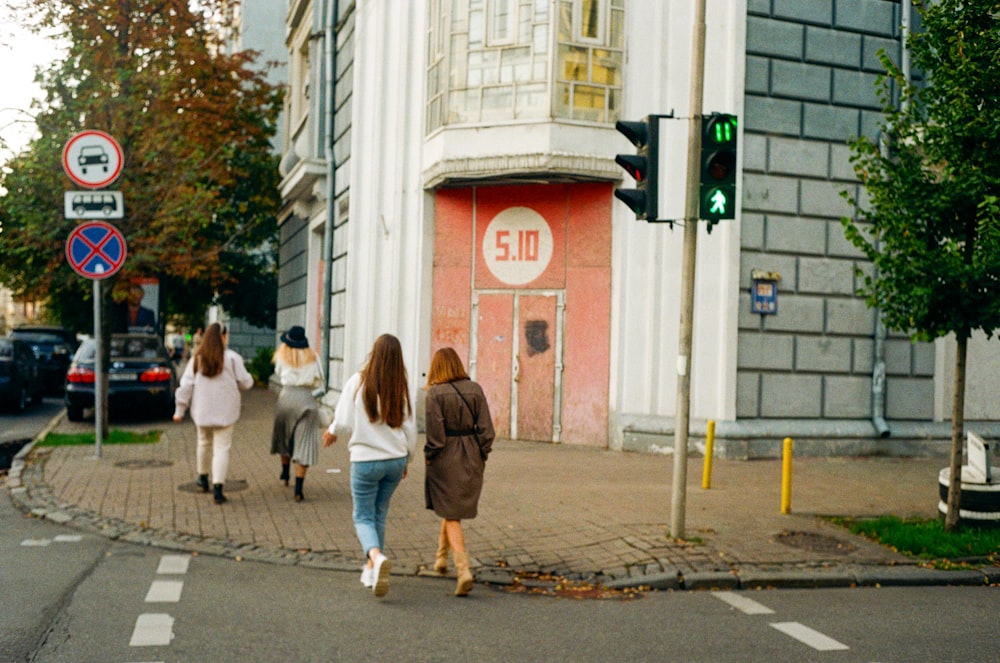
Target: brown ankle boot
<point>465,579</point>
<point>441,561</point>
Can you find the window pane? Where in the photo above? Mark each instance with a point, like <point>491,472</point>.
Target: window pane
<point>573,63</point>
<point>502,15</point>
<point>531,100</point>
<point>590,12</point>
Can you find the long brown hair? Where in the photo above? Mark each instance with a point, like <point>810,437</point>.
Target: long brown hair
<point>446,366</point>
<point>210,355</point>
<point>294,357</point>
<point>384,383</point>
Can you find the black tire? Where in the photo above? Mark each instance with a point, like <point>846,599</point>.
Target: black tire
<point>74,412</point>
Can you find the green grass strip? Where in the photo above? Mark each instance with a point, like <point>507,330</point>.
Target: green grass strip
<point>115,436</point>
<point>926,538</point>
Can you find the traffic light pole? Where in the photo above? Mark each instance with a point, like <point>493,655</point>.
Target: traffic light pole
<point>678,502</point>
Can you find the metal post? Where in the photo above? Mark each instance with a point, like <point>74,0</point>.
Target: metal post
<point>678,502</point>
<point>99,374</point>
<point>786,476</point>
<point>706,471</point>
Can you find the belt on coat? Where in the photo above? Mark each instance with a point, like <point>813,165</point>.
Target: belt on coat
<point>463,432</point>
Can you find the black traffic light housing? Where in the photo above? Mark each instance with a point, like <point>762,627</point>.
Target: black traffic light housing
<point>717,184</point>
<point>642,166</point>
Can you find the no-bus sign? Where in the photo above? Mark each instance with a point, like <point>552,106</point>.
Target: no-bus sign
<point>93,159</point>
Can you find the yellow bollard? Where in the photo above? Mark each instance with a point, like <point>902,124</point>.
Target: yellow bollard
<point>786,477</point>
<point>706,473</point>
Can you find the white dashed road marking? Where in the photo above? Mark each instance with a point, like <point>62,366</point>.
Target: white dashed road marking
<point>174,564</point>
<point>164,591</point>
<point>743,604</point>
<point>152,630</point>
<point>37,543</point>
<point>807,636</point>
<point>157,629</point>
<point>68,538</point>
<point>61,538</point>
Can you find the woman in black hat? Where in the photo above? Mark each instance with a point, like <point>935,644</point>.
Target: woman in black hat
<point>297,428</point>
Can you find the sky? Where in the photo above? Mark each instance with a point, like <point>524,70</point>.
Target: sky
<point>20,53</point>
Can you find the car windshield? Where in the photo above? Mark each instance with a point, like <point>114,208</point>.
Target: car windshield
<point>124,347</point>
<point>6,349</point>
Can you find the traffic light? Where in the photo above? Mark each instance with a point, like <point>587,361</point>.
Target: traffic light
<point>642,166</point>
<point>717,189</point>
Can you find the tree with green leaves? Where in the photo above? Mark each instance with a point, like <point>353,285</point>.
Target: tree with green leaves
<point>931,222</point>
<point>200,181</point>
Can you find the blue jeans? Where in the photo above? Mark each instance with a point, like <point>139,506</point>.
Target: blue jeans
<point>372,484</point>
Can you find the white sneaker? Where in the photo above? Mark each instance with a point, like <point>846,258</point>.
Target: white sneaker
<point>367,576</point>
<point>380,574</point>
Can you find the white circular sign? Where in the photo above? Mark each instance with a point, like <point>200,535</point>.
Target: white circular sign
<point>517,246</point>
<point>93,159</point>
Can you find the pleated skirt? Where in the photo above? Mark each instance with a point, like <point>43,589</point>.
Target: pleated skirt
<point>297,431</point>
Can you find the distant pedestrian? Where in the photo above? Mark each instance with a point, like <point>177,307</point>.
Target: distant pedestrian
<point>210,387</point>
<point>297,429</point>
<point>375,411</point>
<point>459,439</point>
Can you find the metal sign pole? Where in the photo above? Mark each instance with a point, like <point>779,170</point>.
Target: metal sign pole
<point>99,374</point>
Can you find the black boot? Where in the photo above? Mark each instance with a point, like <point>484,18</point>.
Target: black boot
<point>219,497</point>
<point>284,473</point>
<point>203,482</point>
<point>298,488</point>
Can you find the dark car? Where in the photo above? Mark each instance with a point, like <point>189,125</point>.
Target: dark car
<point>141,378</point>
<point>20,376</point>
<point>53,347</point>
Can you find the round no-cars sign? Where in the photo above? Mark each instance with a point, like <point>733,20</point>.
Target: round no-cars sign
<point>96,250</point>
<point>92,159</point>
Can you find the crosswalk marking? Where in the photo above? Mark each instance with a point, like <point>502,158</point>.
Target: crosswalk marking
<point>174,564</point>
<point>152,630</point>
<point>164,591</point>
<point>808,636</point>
<point>743,604</point>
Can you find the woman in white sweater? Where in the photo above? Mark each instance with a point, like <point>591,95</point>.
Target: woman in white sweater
<point>296,432</point>
<point>376,414</point>
<point>210,388</point>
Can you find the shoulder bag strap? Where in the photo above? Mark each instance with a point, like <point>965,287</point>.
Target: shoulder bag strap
<point>475,417</point>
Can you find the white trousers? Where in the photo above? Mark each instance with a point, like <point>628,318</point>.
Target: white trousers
<point>214,443</point>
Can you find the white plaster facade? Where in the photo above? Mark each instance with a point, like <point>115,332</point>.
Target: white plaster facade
<point>388,168</point>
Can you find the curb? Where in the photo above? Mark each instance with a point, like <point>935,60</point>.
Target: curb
<point>31,495</point>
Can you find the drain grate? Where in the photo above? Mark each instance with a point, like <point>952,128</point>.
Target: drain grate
<point>814,542</point>
<point>142,464</point>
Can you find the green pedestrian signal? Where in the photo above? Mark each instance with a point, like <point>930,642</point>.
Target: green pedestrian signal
<point>717,185</point>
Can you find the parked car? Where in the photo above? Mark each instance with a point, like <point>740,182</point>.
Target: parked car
<point>141,377</point>
<point>53,347</point>
<point>20,375</point>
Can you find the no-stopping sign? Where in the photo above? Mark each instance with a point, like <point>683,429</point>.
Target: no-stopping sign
<point>96,250</point>
<point>92,159</point>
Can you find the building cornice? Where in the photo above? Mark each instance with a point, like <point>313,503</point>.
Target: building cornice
<point>541,167</point>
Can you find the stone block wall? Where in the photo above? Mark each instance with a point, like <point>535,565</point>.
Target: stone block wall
<point>810,87</point>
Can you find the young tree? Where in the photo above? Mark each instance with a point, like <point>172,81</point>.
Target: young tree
<point>931,221</point>
<point>199,179</point>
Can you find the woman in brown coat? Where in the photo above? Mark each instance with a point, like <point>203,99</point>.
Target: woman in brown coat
<point>459,438</point>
